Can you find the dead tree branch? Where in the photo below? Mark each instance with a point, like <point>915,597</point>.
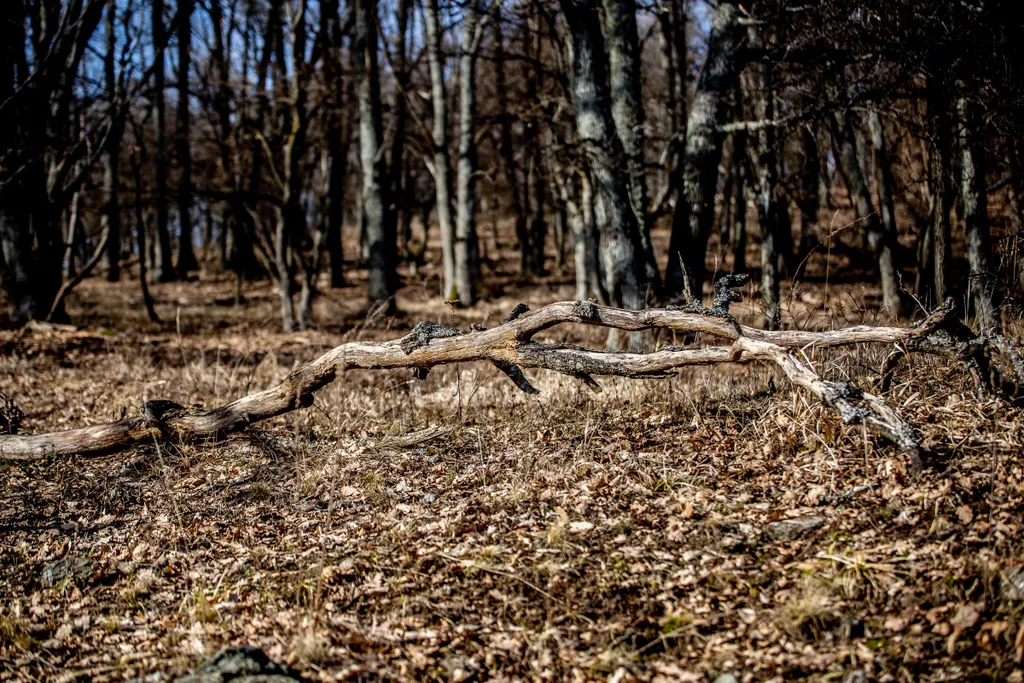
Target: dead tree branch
<point>512,347</point>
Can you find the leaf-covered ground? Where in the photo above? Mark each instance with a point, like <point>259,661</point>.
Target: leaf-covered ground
<point>456,529</point>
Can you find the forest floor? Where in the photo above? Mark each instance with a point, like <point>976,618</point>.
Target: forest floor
<point>457,529</point>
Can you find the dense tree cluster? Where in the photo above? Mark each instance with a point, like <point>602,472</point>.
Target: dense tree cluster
<point>250,136</point>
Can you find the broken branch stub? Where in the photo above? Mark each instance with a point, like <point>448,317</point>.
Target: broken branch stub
<point>511,347</point>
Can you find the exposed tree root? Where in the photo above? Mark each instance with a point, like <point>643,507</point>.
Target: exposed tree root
<point>511,347</point>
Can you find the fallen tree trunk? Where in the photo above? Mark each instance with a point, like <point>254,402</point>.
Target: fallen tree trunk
<point>511,347</point>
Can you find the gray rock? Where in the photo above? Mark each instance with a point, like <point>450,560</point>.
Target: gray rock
<point>71,567</point>
<point>855,676</point>
<point>1013,583</point>
<point>244,664</point>
<point>726,678</point>
<point>789,529</point>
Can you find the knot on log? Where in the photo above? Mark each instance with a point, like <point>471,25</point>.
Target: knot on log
<point>516,312</point>
<point>421,335</point>
<point>724,297</point>
<point>943,312</point>
<point>587,310</point>
<point>161,410</point>
<point>10,415</point>
<point>845,390</point>
<point>725,294</point>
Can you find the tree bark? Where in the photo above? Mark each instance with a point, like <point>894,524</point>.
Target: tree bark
<point>621,249</point>
<point>111,166</point>
<point>467,247</point>
<point>137,162</point>
<point>769,208</point>
<point>881,243</point>
<point>810,190</point>
<point>625,68</point>
<point>974,196</point>
<point>186,251</point>
<point>43,147</point>
<point>399,208</point>
<point>885,184</point>
<point>380,235</point>
<point>439,136</point>
<point>73,236</point>
<point>163,266</point>
<point>236,249</point>
<point>738,230</point>
<point>506,149</point>
<point>534,176</point>
<point>338,137</point>
<point>942,196</point>
<point>698,175</point>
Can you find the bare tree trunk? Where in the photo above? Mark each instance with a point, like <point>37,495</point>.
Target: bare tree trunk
<point>825,182</point>
<point>399,209</point>
<point>73,236</point>
<point>672,21</point>
<point>288,216</point>
<point>42,50</point>
<point>738,229</point>
<point>374,191</point>
<point>572,199</point>
<point>439,133</point>
<point>560,220</point>
<point>186,251</point>
<point>508,159</point>
<point>335,153</point>
<point>942,196</point>
<point>1015,201</point>
<point>724,218</point>
<point>305,250</point>
<point>680,59</point>
<point>628,113</point>
<point>885,184</point>
<point>467,248</point>
<point>535,187</point>
<point>881,244</point>
<point>584,238</point>
<point>974,196</point>
<point>236,249</point>
<point>138,160</point>
<point>574,222</point>
<point>698,176</point>
<point>111,165</point>
<point>766,198</point>
<point>621,250</point>
<point>163,267</point>
<point>591,239</point>
<point>810,190</point>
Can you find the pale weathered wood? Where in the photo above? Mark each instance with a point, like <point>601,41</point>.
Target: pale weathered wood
<point>511,346</point>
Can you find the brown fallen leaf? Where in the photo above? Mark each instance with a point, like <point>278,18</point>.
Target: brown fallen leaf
<point>966,617</point>
<point>965,514</point>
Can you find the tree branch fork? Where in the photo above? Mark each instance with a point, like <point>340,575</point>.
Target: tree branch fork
<point>512,346</point>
